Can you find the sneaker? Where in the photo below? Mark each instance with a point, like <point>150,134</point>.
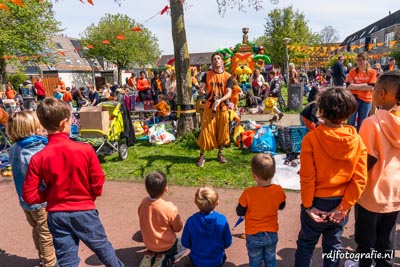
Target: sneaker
<point>350,263</point>
<point>200,161</point>
<point>221,158</point>
<point>159,260</point>
<point>146,261</point>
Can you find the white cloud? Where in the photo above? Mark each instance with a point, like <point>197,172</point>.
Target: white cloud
<point>206,30</point>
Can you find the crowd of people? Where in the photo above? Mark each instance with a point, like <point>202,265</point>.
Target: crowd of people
<point>341,166</point>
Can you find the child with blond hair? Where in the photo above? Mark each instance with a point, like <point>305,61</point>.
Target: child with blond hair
<point>206,233</point>
<point>259,205</point>
<point>24,129</point>
<point>159,222</point>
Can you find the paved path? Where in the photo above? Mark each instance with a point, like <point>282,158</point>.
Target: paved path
<point>118,211</point>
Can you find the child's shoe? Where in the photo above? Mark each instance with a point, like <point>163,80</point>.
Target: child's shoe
<point>159,260</point>
<point>146,261</point>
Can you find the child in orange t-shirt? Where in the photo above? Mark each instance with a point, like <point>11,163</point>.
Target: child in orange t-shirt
<point>377,209</point>
<point>259,205</point>
<point>236,91</point>
<point>162,107</point>
<point>159,222</point>
<point>333,174</point>
<point>67,97</point>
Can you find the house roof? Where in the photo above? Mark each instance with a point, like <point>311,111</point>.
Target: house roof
<point>69,55</point>
<point>391,19</point>
<point>195,59</point>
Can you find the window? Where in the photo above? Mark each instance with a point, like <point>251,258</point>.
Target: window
<point>78,62</point>
<point>59,46</point>
<point>362,34</point>
<point>68,61</point>
<point>388,38</point>
<point>372,29</point>
<point>374,42</point>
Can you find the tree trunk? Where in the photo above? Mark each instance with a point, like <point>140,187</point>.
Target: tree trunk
<point>187,116</point>
<point>119,75</point>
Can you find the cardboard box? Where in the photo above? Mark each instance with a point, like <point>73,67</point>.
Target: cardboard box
<point>94,118</point>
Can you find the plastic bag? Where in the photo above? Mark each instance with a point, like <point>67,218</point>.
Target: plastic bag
<point>264,141</point>
<point>158,135</point>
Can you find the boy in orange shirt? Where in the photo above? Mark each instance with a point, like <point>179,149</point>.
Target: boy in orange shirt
<point>259,205</point>
<point>236,91</point>
<point>159,222</point>
<point>377,209</point>
<point>333,174</point>
<point>162,107</point>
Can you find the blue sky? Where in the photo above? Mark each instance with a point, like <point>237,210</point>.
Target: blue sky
<point>207,31</point>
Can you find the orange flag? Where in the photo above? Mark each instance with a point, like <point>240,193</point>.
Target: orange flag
<point>90,2</point>
<point>82,1</point>
<point>137,29</point>
<point>18,2</point>
<point>106,42</point>
<point>7,57</point>
<point>90,46</point>
<point>62,53</point>
<point>120,37</point>
<point>4,7</point>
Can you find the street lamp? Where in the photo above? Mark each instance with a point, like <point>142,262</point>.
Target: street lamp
<point>287,40</point>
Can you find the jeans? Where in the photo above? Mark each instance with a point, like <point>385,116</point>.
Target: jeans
<point>381,229</point>
<point>311,231</point>
<point>262,246</point>
<point>68,228</point>
<point>41,236</point>
<point>362,113</point>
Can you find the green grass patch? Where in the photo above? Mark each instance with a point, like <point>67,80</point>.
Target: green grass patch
<point>178,161</point>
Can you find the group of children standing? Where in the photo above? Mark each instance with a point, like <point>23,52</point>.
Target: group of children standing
<point>339,169</point>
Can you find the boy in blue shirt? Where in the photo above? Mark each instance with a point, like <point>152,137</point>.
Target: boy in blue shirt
<point>206,233</point>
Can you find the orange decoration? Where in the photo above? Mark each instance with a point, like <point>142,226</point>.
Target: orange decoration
<point>90,46</point>
<point>62,53</point>
<point>18,2</point>
<point>90,2</point>
<point>137,29</point>
<point>4,7</point>
<point>120,37</point>
<point>8,57</point>
<point>106,42</point>
<point>82,1</point>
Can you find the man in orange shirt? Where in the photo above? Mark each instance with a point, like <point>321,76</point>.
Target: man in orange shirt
<point>143,87</point>
<point>333,174</point>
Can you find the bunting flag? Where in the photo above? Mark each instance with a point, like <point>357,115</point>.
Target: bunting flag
<point>62,53</point>
<point>137,29</point>
<point>165,9</point>
<point>90,46</point>
<point>90,2</point>
<point>4,7</point>
<point>107,42</point>
<point>120,37</point>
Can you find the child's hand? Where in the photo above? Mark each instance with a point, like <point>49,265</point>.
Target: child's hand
<point>317,215</point>
<point>336,216</point>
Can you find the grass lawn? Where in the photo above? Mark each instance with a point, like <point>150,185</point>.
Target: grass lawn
<point>178,161</point>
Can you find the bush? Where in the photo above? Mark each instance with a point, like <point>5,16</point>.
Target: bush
<point>17,79</point>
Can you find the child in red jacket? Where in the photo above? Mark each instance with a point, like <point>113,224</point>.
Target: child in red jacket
<point>73,177</point>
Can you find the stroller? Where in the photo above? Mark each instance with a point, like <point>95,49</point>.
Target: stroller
<point>119,136</point>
